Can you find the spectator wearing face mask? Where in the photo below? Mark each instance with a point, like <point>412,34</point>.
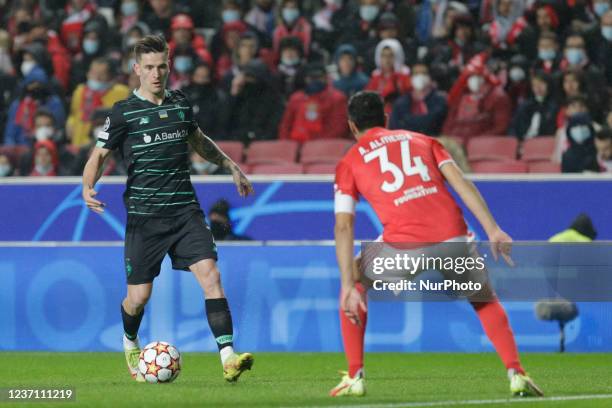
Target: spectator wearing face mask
<point>92,47</point>
<point>77,13</point>
<point>229,38</point>
<point>507,30</point>
<point>208,102</point>
<point>317,112</point>
<point>33,55</point>
<point>182,63</point>
<point>290,65</point>
<point>391,78</point>
<point>421,110</point>
<point>255,106</point>
<point>517,84</point>
<point>549,58</point>
<point>576,58</point>
<point>221,224</point>
<point>6,167</point>
<point>361,27</point>
<point>291,23</point>
<point>477,104</point>
<point>184,36</point>
<point>537,116</point>
<point>46,160</point>
<point>98,92</point>
<point>35,94</point>
<point>575,146</point>
<point>350,79</point>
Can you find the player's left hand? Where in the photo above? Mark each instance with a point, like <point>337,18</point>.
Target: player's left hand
<point>243,184</point>
<point>501,244</point>
<point>351,300</point>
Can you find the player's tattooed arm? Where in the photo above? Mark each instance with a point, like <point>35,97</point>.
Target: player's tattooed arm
<point>209,150</point>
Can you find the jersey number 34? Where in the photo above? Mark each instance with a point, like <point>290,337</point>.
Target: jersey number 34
<point>411,166</point>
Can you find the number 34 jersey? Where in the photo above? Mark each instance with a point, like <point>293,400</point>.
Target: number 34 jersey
<point>398,173</point>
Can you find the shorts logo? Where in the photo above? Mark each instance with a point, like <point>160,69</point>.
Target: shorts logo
<point>144,120</point>
<point>128,267</point>
<point>147,138</point>
<point>106,123</point>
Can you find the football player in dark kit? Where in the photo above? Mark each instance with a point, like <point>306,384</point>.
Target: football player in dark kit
<point>153,129</point>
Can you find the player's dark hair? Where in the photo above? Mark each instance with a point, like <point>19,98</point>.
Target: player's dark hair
<point>367,110</point>
<point>150,44</point>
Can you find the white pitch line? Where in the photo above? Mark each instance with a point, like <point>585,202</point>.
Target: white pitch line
<point>471,402</point>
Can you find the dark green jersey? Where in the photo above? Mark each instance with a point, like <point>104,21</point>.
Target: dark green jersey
<point>153,142</point>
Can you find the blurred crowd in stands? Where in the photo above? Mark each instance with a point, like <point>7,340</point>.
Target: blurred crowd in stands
<point>265,70</point>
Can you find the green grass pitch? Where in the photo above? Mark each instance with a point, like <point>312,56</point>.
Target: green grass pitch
<point>303,380</point>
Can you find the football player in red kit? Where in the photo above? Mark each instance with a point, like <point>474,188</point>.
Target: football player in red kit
<point>402,175</point>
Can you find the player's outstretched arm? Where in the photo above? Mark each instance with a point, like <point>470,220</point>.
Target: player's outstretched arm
<point>501,243</point>
<point>350,298</point>
<point>209,150</point>
<point>91,175</point>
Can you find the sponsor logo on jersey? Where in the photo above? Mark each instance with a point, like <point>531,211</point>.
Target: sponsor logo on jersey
<point>170,136</point>
<point>144,120</point>
<point>147,138</point>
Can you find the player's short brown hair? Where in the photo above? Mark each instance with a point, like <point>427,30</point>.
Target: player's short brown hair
<point>150,44</point>
<point>366,110</point>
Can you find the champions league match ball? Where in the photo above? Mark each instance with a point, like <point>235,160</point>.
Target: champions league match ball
<point>160,362</point>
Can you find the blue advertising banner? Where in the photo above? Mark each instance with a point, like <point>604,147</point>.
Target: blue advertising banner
<point>528,209</point>
<point>283,298</point>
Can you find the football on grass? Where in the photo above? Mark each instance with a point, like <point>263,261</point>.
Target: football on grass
<point>160,362</point>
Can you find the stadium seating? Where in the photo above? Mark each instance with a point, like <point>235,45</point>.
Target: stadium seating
<point>492,148</point>
<point>507,166</point>
<point>324,151</point>
<point>320,168</point>
<point>14,153</point>
<point>272,152</point>
<point>544,167</point>
<point>538,149</point>
<point>281,168</point>
<point>235,150</point>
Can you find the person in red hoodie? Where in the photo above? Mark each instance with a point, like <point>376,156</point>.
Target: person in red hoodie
<point>317,112</point>
<point>46,159</point>
<point>477,103</point>
<point>391,78</point>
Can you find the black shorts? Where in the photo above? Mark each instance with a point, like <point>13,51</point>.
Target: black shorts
<point>186,238</point>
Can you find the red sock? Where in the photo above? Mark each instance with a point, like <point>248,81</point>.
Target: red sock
<point>495,324</point>
<point>352,336</point>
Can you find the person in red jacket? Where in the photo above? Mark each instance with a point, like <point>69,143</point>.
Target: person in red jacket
<point>317,112</point>
<point>391,78</point>
<point>478,105</point>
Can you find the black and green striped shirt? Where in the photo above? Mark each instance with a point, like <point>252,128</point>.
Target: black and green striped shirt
<point>153,142</point>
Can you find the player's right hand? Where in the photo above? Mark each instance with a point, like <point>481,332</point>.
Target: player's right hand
<point>351,300</point>
<point>91,202</point>
<point>501,244</point>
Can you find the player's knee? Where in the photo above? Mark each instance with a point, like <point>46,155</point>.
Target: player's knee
<point>138,299</point>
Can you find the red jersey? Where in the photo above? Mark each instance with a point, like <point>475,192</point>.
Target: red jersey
<point>398,173</point>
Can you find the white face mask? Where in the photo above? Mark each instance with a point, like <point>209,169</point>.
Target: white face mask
<point>580,133</point>
<point>43,169</point>
<point>474,83</point>
<point>5,170</point>
<point>420,81</point>
<point>44,133</point>
<point>26,67</point>
<point>517,74</point>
